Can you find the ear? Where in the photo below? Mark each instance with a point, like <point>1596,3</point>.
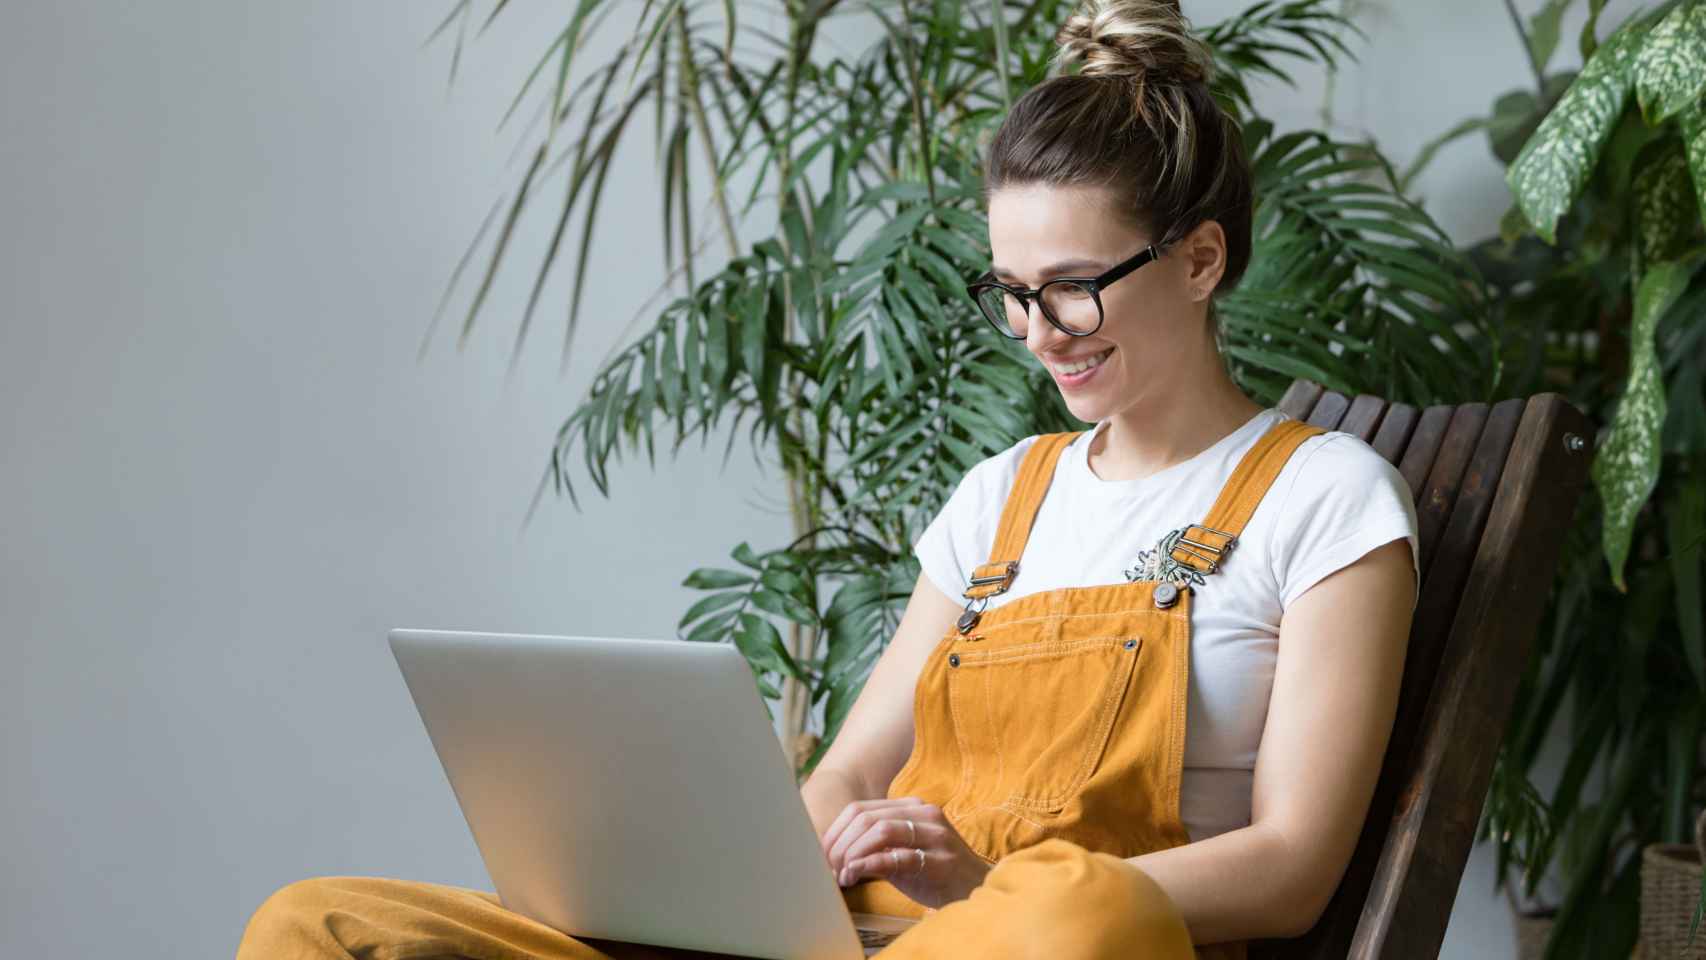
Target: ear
<point>1204,253</point>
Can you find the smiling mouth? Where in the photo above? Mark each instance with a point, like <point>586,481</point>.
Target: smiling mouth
<point>1081,364</point>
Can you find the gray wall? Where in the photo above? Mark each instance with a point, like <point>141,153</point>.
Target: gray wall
<point>223,229</point>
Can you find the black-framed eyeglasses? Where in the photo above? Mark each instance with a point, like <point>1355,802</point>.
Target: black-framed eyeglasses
<point>1073,304</point>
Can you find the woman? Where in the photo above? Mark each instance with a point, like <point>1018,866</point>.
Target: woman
<point>1280,658</point>
<point>1162,728</point>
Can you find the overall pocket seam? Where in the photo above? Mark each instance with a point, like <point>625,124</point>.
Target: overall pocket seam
<point>1112,696</point>
<point>1112,699</point>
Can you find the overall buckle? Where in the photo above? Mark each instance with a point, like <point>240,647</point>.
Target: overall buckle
<point>1211,554</point>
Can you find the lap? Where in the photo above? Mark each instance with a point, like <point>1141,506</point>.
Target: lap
<point>1054,900</point>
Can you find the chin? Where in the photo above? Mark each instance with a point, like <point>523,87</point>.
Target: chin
<point>1085,410</point>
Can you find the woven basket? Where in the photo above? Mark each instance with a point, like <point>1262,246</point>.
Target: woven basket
<point>1670,890</point>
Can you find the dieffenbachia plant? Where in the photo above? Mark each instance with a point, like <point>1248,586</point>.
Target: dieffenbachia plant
<point>1658,58</point>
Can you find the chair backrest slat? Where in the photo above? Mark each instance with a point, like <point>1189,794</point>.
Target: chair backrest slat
<point>1417,457</point>
<point>1329,410</point>
<point>1395,431</point>
<point>1364,416</point>
<point>1490,485</point>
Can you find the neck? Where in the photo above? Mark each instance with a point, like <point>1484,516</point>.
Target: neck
<point>1169,426</point>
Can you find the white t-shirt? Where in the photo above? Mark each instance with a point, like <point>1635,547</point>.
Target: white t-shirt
<point>1334,501</point>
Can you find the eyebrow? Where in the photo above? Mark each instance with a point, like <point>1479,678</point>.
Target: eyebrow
<point>1056,269</point>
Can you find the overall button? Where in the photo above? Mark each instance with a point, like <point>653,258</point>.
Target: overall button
<point>953,659</point>
<point>1166,594</point>
<point>1130,643</point>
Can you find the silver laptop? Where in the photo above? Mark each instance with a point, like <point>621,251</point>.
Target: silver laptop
<point>632,790</point>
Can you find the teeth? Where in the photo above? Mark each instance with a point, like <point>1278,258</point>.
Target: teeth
<point>1071,368</point>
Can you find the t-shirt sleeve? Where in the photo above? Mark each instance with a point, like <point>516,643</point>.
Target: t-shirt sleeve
<point>961,534</point>
<point>1343,501</point>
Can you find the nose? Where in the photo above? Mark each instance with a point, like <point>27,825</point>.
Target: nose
<point>1041,335</point>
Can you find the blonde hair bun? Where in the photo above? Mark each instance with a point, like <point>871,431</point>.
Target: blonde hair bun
<point>1145,39</point>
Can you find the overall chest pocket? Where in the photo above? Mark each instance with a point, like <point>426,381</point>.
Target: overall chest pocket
<point>1034,719</point>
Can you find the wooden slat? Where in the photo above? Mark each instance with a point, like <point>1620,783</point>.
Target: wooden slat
<point>1363,418</point>
<point>1515,559</point>
<point>1424,443</point>
<point>1394,433</point>
<point>1433,507</point>
<point>1329,410</point>
<point>1300,399</point>
<point>1474,499</point>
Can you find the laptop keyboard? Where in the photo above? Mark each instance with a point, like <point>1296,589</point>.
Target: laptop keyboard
<point>876,938</point>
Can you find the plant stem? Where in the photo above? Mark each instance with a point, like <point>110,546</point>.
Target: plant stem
<point>692,88</point>
<point>1527,49</point>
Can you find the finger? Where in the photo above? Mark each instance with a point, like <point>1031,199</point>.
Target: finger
<point>843,830</point>
<point>870,813</point>
<point>891,863</point>
<point>895,833</point>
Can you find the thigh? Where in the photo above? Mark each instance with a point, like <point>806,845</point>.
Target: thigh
<point>384,919</point>
<point>1054,901</point>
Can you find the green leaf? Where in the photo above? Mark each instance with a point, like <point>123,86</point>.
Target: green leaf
<point>1626,467</point>
<point>710,604</point>
<point>761,644</point>
<point>1670,67</point>
<point>712,629</point>
<point>1664,207</point>
<point>783,606</point>
<point>712,578</point>
<point>1556,162</point>
<point>1694,146</point>
<point>1589,40</point>
<point>1543,33</point>
<point>743,553</point>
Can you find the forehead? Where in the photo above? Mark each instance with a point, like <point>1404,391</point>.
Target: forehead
<point>1034,226</point>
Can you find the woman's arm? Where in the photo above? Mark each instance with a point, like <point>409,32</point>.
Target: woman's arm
<point>876,737</point>
<point>1335,693</point>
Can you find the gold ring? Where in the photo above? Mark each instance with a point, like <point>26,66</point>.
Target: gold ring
<point>914,828</point>
<point>920,853</point>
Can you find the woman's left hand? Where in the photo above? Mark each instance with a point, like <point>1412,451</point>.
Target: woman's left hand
<point>874,839</point>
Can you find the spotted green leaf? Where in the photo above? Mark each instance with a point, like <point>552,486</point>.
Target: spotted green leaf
<point>1694,146</point>
<point>1670,67</point>
<point>1664,207</point>
<point>1556,161</point>
<point>1627,465</point>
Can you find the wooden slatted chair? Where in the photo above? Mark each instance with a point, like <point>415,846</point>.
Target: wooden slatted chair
<point>1495,487</point>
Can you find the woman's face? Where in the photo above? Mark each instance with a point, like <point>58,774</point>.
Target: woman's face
<point>1153,329</point>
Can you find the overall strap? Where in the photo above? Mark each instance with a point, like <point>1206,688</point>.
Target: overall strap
<point>1203,546</point>
<point>1036,472</point>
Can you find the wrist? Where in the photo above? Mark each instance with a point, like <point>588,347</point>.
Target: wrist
<point>826,793</point>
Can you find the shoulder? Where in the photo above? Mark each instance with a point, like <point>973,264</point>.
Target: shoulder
<point>993,476</point>
<point>1337,465</point>
<point>1338,499</point>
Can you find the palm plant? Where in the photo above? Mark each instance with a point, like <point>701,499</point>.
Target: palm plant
<point>842,339</point>
<point>1597,292</point>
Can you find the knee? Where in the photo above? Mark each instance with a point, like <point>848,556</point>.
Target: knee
<point>1103,905</point>
<point>283,917</point>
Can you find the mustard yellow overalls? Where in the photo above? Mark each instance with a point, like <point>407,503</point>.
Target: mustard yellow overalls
<point>1051,731</point>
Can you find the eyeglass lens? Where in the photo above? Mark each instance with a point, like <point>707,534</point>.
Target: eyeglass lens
<point>1070,304</point>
